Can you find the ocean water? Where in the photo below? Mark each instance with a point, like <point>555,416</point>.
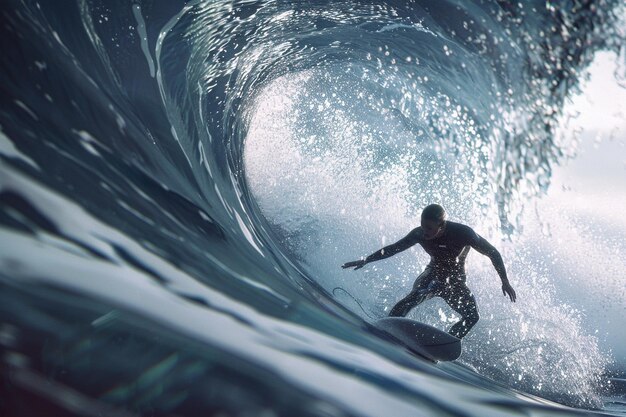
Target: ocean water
<point>180,183</point>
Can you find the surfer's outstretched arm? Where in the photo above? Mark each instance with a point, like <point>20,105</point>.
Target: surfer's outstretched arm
<point>487,249</point>
<point>403,244</point>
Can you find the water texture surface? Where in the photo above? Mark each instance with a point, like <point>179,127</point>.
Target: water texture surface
<point>180,183</point>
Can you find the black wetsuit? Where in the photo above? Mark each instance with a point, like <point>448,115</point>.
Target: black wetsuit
<point>445,274</point>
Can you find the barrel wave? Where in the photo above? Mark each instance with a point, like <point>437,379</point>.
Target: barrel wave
<point>181,181</point>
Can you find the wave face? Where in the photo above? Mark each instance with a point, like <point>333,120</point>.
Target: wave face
<point>180,181</point>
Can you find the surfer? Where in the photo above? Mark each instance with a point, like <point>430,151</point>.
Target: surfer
<point>448,244</point>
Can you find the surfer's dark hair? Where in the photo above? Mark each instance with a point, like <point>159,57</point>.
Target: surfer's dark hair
<point>434,212</point>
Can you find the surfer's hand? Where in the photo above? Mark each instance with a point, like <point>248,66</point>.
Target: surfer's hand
<point>357,264</point>
<point>508,290</point>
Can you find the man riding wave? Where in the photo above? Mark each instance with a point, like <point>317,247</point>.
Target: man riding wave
<point>447,243</point>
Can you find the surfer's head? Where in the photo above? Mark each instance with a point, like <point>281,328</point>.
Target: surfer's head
<point>433,221</point>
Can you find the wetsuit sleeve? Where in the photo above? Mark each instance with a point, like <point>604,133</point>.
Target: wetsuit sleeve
<point>487,249</point>
<point>403,244</point>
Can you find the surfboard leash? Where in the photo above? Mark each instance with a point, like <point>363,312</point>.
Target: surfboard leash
<point>356,300</point>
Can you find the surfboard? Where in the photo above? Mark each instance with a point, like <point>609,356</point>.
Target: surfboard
<point>422,339</point>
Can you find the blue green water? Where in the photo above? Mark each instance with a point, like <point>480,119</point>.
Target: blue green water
<point>181,181</point>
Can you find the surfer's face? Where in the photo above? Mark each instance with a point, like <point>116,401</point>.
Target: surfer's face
<point>432,228</point>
